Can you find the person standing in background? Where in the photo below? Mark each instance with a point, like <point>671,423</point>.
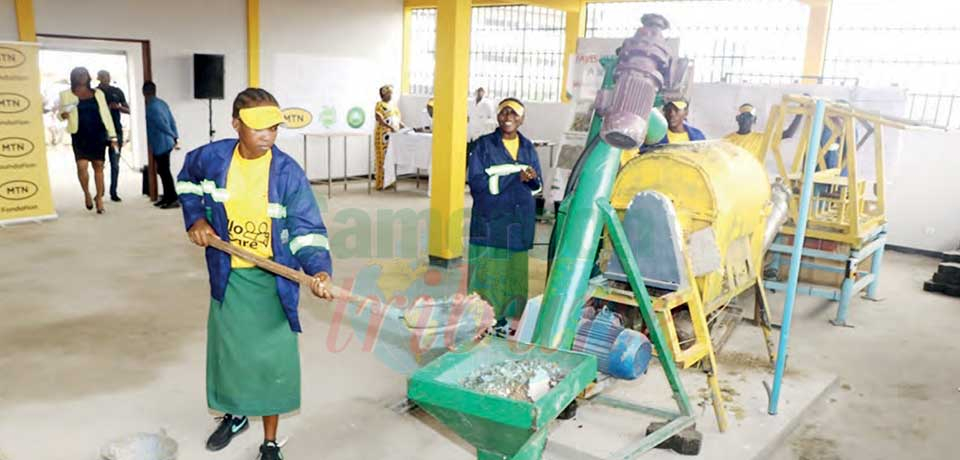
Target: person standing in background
<point>753,141</point>
<point>90,128</point>
<point>162,138</point>
<point>428,128</point>
<point>117,103</point>
<point>481,118</point>
<point>388,122</point>
<point>678,131</point>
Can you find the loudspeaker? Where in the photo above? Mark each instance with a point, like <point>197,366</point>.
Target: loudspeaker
<point>208,76</point>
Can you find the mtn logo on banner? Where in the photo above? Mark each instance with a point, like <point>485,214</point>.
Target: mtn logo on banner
<point>296,118</point>
<point>13,103</point>
<point>16,190</point>
<point>11,58</point>
<point>15,147</point>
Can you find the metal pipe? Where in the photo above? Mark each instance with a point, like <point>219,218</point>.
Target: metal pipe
<point>780,200</point>
<point>567,282</point>
<point>795,256</point>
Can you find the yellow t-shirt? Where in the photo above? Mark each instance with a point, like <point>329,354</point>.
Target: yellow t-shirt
<point>513,146</point>
<point>751,142</point>
<point>676,138</point>
<point>248,224</point>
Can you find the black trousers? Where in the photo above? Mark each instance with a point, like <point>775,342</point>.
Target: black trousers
<point>163,169</point>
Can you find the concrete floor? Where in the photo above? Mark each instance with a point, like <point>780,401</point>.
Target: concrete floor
<point>104,326</point>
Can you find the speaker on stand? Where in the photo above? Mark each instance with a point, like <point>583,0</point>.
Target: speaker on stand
<point>208,82</point>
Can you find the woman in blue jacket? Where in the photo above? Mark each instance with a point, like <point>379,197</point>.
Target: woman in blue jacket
<point>504,175</point>
<point>247,192</point>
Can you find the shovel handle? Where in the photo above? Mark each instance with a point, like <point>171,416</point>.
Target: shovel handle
<point>296,276</point>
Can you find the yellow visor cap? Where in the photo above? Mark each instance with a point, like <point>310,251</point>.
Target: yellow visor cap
<point>517,108</point>
<point>747,108</point>
<point>681,105</point>
<point>263,117</point>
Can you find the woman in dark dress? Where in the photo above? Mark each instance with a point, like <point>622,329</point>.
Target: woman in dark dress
<point>91,129</point>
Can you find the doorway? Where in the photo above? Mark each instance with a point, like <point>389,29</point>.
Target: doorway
<point>128,61</point>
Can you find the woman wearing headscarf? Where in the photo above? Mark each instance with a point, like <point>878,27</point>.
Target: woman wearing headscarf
<point>388,121</point>
<point>504,175</point>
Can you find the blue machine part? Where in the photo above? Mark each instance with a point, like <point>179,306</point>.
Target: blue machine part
<point>621,353</point>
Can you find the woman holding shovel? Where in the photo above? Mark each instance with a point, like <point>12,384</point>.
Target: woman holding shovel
<point>247,192</point>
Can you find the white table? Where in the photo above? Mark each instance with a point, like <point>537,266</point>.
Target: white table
<point>408,152</point>
<point>329,137</point>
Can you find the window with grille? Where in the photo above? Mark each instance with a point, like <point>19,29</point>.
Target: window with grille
<point>752,41</point>
<point>516,51</point>
<point>890,44</point>
<point>423,50</point>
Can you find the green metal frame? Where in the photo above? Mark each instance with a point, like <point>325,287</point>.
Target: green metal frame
<point>678,421</point>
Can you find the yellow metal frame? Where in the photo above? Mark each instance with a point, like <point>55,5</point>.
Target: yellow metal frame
<point>844,214</point>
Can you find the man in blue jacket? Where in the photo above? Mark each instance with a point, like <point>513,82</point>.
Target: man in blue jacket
<point>162,138</point>
<point>677,128</point>
<point>247,192</point>
<point>504,175</point>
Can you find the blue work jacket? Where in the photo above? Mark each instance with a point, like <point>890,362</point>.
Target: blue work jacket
<point>162,132</point>
<point>504,212</point>
<point>298,236</point>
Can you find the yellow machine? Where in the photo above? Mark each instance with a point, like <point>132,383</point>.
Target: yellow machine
<point>696,215</point>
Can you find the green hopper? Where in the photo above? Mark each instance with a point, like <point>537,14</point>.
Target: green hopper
<point>500,428</point>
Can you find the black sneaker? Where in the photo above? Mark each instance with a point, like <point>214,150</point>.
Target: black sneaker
<point>270,451</point>
<point>115,199</point>
<point>170,205</point>
<point>230,426</point>
<point>501,329</point>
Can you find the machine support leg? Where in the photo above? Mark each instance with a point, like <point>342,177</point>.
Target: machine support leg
<point>762,319</point>
<point>875,271</point>
<point>846,294</point>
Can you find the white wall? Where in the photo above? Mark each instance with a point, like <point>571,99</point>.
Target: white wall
<point>8,21</point>
<point>922,192</point>
<point>350,48</point>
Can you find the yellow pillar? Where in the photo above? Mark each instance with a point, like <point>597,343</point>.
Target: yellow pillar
<point>26,22</point>
<point>818,27</point>
<point>451,78</point>
<point>576,28</point>
<point>405,62</point>
<point>253,42</point>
